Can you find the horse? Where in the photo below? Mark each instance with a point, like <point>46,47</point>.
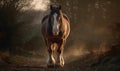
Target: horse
<point>55,30</point>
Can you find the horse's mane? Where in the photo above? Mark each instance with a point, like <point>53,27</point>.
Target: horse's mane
<point>66,17</point>
<point>45,18</point>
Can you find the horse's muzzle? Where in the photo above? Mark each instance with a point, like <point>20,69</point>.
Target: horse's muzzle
<point>56,33</point>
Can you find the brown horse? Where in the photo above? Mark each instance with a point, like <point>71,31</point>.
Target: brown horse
<point>55,30</point>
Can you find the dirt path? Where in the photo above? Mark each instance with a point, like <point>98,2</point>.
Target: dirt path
<point>26,68</point>
<point>87,63</point>
<point>77,65</point>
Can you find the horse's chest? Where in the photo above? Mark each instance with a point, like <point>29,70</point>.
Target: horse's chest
<point>50,34</point>
<point>49,31</point>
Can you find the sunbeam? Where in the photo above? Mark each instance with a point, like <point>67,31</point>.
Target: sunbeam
<point>37,5</point>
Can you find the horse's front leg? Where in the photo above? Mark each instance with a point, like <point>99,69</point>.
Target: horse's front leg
<point>60,59</point>
<point>51,60</point>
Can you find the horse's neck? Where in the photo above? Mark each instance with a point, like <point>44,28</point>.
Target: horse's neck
<point>62,18</point>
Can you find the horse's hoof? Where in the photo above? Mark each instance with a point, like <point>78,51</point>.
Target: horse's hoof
<point>51,66</point>
<point>59,66</point>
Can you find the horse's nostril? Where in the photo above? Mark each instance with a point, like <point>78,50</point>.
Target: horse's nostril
<point>55,33</point>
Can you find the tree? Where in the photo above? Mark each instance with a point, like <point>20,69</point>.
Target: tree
<point>9,10</point>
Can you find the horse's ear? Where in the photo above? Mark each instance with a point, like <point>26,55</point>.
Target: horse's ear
<point>51,7</point>
<point>60,7</point>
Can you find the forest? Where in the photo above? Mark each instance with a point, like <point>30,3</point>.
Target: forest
<point>93,44</point>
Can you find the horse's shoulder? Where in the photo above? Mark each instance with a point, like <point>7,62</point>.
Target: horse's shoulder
<point>66,17</point>
<point>44,18</point>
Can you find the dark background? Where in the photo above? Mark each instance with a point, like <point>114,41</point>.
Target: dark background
<point>95,32</point>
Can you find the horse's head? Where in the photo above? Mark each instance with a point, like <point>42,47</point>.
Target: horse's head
<point>55,19</point>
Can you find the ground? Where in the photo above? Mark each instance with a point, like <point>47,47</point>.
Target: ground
<point>89,62</point>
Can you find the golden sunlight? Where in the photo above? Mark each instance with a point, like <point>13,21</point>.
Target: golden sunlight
<point>38,5</point>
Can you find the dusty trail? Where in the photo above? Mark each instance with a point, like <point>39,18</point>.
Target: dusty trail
<point>88,63</point>
<point>105,62</point>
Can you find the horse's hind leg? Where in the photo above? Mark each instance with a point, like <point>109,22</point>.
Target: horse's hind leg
<point>60,59</point>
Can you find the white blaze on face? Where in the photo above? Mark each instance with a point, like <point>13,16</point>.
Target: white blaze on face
<point>55,25</point>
